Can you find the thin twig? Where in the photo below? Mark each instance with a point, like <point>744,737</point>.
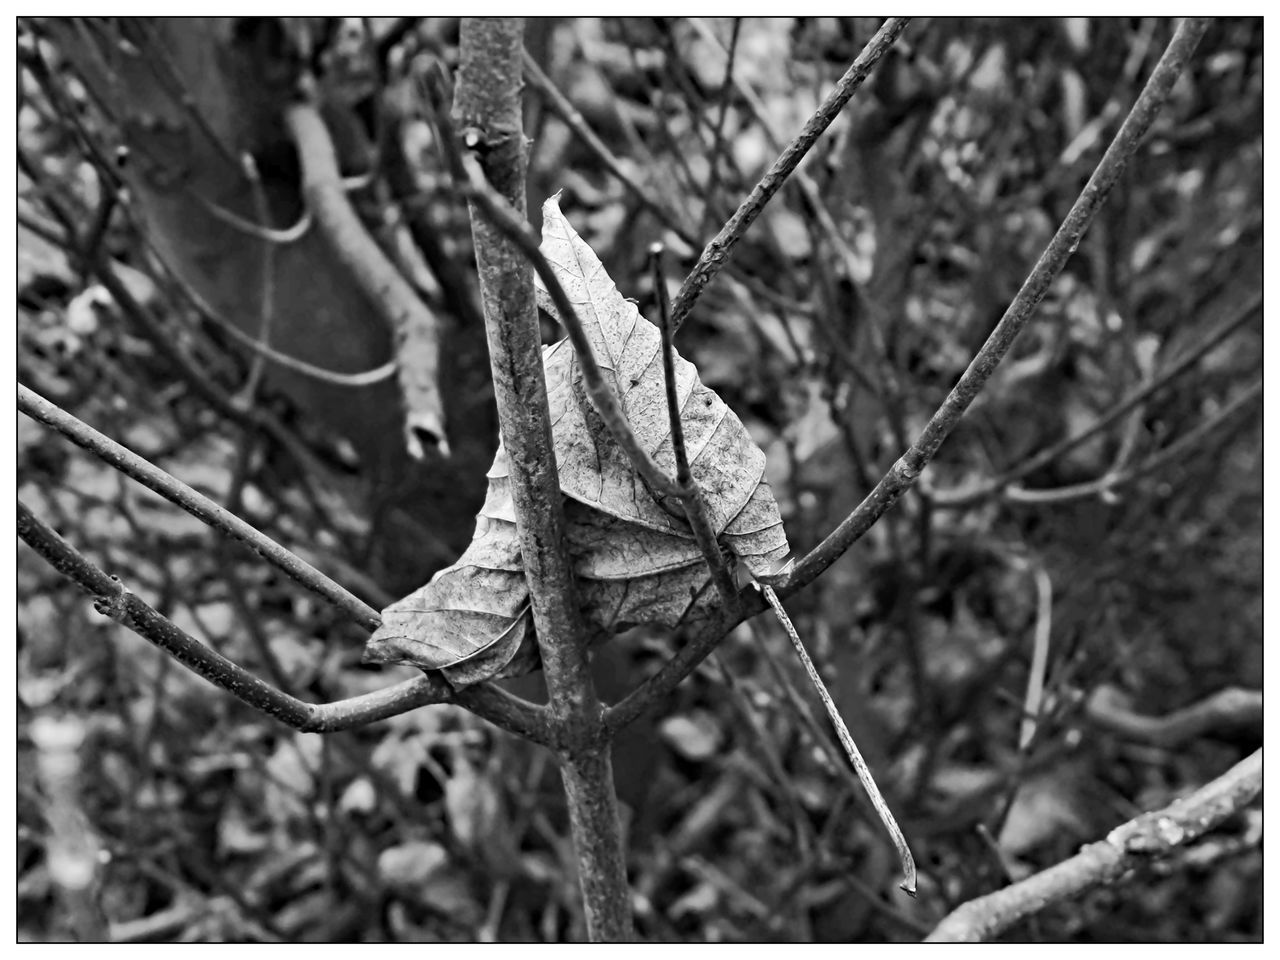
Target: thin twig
<point>498,212</point>
<point>565,110</point>
<point>908,467</point>
<point>717,134</point>
<point>851,749</point>
<point>266,304</point>
<point>690,494</point>
<point>114,600</point>
<point>272,235</point>
<point>718,251</point>
<point>361,379</point>
<point>1231,709</point>
<point>1146,838</point>
<point>198,505</point>
<point>1039,659</point>
<point>1190,441</point>
<point>952,499</point>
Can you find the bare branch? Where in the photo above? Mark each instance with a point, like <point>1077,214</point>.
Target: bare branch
<point>487,100</point>
<point>949,499</point>
<point>905,472</point>
<point>516,230</point>
<point>114,600</point>
<point>377,276</point>
<point>1146,838</point>
<point>1191,441</point>
<point>198,505</point>
<point>690,495</point>
<point>1230,709</point>
<point>718,251</point>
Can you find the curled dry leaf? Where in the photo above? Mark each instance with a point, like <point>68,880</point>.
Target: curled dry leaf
<point>636,560</point>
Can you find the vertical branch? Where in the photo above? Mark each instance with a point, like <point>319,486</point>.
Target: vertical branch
<point>487,107</point>
<point>690,495</point>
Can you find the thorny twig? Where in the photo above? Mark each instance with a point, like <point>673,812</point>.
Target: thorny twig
<point>908,467</point>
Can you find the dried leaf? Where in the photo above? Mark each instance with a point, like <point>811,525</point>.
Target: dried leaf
<point>636,562</point>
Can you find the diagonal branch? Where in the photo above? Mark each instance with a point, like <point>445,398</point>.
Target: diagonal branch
<point>718,251</point>
<point>114,600</point>
<point>1144,839</point>
<point>905,472</point>
<point>952,499</point>
<point>1192,440</point>
<point>196,504</point>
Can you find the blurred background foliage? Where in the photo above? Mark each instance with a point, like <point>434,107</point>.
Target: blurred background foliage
<point>856,302</point>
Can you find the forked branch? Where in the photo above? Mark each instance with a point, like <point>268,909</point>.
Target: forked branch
<point>113,599</point>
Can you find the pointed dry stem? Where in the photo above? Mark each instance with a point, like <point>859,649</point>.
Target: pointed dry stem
<point>851,749</point>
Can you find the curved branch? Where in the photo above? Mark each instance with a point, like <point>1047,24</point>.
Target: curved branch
<point>1146,838</point>
<point>952,499</point>
<point>1230,709</point>
<point>114,600</point>
<point>905,472</point>
<point>405,313</point>
<point>1192,440</point>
